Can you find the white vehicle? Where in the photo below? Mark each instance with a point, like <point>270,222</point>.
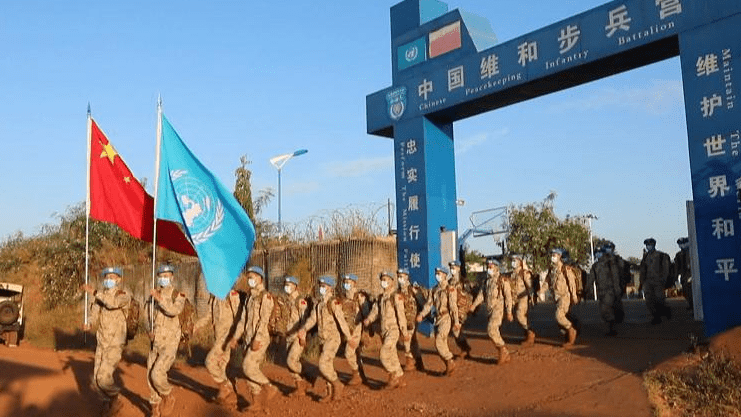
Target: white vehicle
<point>11,313</point>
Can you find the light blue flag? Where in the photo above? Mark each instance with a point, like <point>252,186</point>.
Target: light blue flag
<point>189,194</point>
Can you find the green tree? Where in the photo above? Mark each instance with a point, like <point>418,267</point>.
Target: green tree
<point>253,207</point>
<point>534,229</point>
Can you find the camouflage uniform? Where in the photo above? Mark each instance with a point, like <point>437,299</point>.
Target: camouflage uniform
<point>606,273</point>
<point>498,295</point>
<point>564,286</point>
<point>458,336</point>
<point>352,302</point>
<point>411,345</point>
<point>108,311</point>
<point>327,315</point>
<point>257,338</point>
<point>444,298</point>
<point>390,308</point>
<point>299,310</point>
<point>524,293</point>
<point>227,317</point>
<point>654,272</point>
<point>166,335</point>
<point>684,270</point>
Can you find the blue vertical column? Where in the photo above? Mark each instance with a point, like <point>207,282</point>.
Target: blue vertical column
<point>425,194</point>
<point>711,71</point>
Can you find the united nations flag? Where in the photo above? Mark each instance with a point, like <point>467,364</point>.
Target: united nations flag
<point>412,53</point>
<point>189,194</point>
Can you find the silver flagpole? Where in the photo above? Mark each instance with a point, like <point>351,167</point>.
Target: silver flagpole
<point>156,190</point>
<point>87,219</point>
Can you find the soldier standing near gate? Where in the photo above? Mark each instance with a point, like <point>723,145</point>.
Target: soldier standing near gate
<point>257,339</point>
<point>655,269</point>
<point>165,337</point>
<point>497,293</point>
<point>563,284</point>
<point>390,308</point>
<point>443,298</point>
<point>107,312</point>
<point>411,307</point>
<point>607,274</point>
<point>328,317</point>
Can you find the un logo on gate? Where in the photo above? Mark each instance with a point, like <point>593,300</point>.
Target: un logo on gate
<point>397,102</point>
<point>412,53</point>
<point>202,211</point>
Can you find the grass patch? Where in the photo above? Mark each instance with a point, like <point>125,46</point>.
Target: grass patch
<point>711,387</point>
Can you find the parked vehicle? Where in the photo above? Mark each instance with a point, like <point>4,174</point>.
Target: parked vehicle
<point>12,320</point>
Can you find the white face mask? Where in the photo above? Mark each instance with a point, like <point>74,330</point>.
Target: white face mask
<point>554,259</point>
<point>164,281</point>
<point>323,290</point>
<point>347,286</point>
<point>402,281</point>
<point>491,271</point>
<point>608,251</point>
<point>440,277</point>
<point>650,247</point>
<point>384,284</point>
<point>252,282</point>
<point>109,283</point>
<point>514,264</point>
<point>288,289</point>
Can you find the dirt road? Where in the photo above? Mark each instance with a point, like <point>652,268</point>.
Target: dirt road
<point>600,376</point>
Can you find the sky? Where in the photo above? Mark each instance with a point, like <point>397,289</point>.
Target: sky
<point>266,78</point>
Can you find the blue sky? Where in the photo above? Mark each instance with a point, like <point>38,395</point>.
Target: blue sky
<point>266,78</point>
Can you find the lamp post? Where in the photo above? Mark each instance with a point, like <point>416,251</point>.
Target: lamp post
<point>591,245</point>
<point>278,162</point>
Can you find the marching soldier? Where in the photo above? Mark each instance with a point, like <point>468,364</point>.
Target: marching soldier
<point>606,273</point>
<point>411,306</point>
<point>497,293</point>
<point>464,300</point>
<point>443,298</point>
<point>227,317</point>
<point>299,309</point>
<point>165,337</point>
<point>525,295</point>
<point>327,315</point>
<point>352,302</point>
<point>257,338</point>
<point>684,270</point>
<point>563,283</point>
<point>390,308</point>
<point>654,273</point>
<point>108,313</point>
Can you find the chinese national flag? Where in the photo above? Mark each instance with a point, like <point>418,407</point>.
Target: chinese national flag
<point>117,197</point>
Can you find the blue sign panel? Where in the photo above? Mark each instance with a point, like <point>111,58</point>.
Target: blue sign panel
<point>710,55</point>
<point>411,54</point>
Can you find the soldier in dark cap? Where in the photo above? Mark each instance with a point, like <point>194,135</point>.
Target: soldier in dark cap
<point>683,269</point>
<point>655,269</point>
<point>607,274</point>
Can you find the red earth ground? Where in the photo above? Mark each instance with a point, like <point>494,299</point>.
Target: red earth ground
<point>600,376</point>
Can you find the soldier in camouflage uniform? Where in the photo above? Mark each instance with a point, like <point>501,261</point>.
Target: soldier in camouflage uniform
<point>524,295</point>
<point>352,306</point>
<point>497,293</point>
<point>564,286</point>
<point>227,318</point>
<point>327,315</point>
<point>606,273</point>
<point>257,338</point>
<point>444,298</point>
<point>390,309</point>
<point>299,309</point>
<point>108,312</point>
<point>655,269</point>
<point>165,305</point>
<point>411,306</point>
<point>684,270</point>
<point>464,303</point>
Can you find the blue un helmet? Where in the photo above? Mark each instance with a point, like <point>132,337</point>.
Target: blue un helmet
<point>492,261</point>
<point>351,277</point>
<point>442,269</point>
<point>327,280</point>
<point>165,268</point>
<point>402,271</point>
<point>291,279</point>
<point>257,270</point>
<point>111,270</point>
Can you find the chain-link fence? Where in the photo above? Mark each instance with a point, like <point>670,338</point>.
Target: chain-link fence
<point>365,258</point>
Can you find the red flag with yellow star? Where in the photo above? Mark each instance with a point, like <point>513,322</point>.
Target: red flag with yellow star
<point>117,197</point>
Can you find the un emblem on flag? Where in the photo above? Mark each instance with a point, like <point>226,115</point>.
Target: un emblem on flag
<point>397,102</point>
<point>202,212</point>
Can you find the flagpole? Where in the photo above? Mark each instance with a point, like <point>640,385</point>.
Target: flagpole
<point>156,191</point>
<point>87,218</point>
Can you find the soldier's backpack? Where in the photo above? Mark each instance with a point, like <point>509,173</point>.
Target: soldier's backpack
<point>465,300</point>
<point>280,316</point>
<point>131,313</point>
<point>186,319</point>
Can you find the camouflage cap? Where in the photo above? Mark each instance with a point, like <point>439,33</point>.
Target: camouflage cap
<point>327,280</point>
<point>111,270</point>
<point>257,270</point>
<point>291,279</point>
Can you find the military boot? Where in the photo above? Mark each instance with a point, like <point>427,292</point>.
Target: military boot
<point>327,397</point>
<point>300,390</point>
<point>270,391</point>
<point>409,365</point>
<point>419,364</point>
<point>570,337</point>
<point>529,338</point>
<point>449,367</point>
<point>395,381</point>
<point>503,355</point>
<point>114,407</point>
<point>256,405</point>
<point>156,410</point>
<point>355,379</point>
<point>337,389</point>
<point>167,405</point>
